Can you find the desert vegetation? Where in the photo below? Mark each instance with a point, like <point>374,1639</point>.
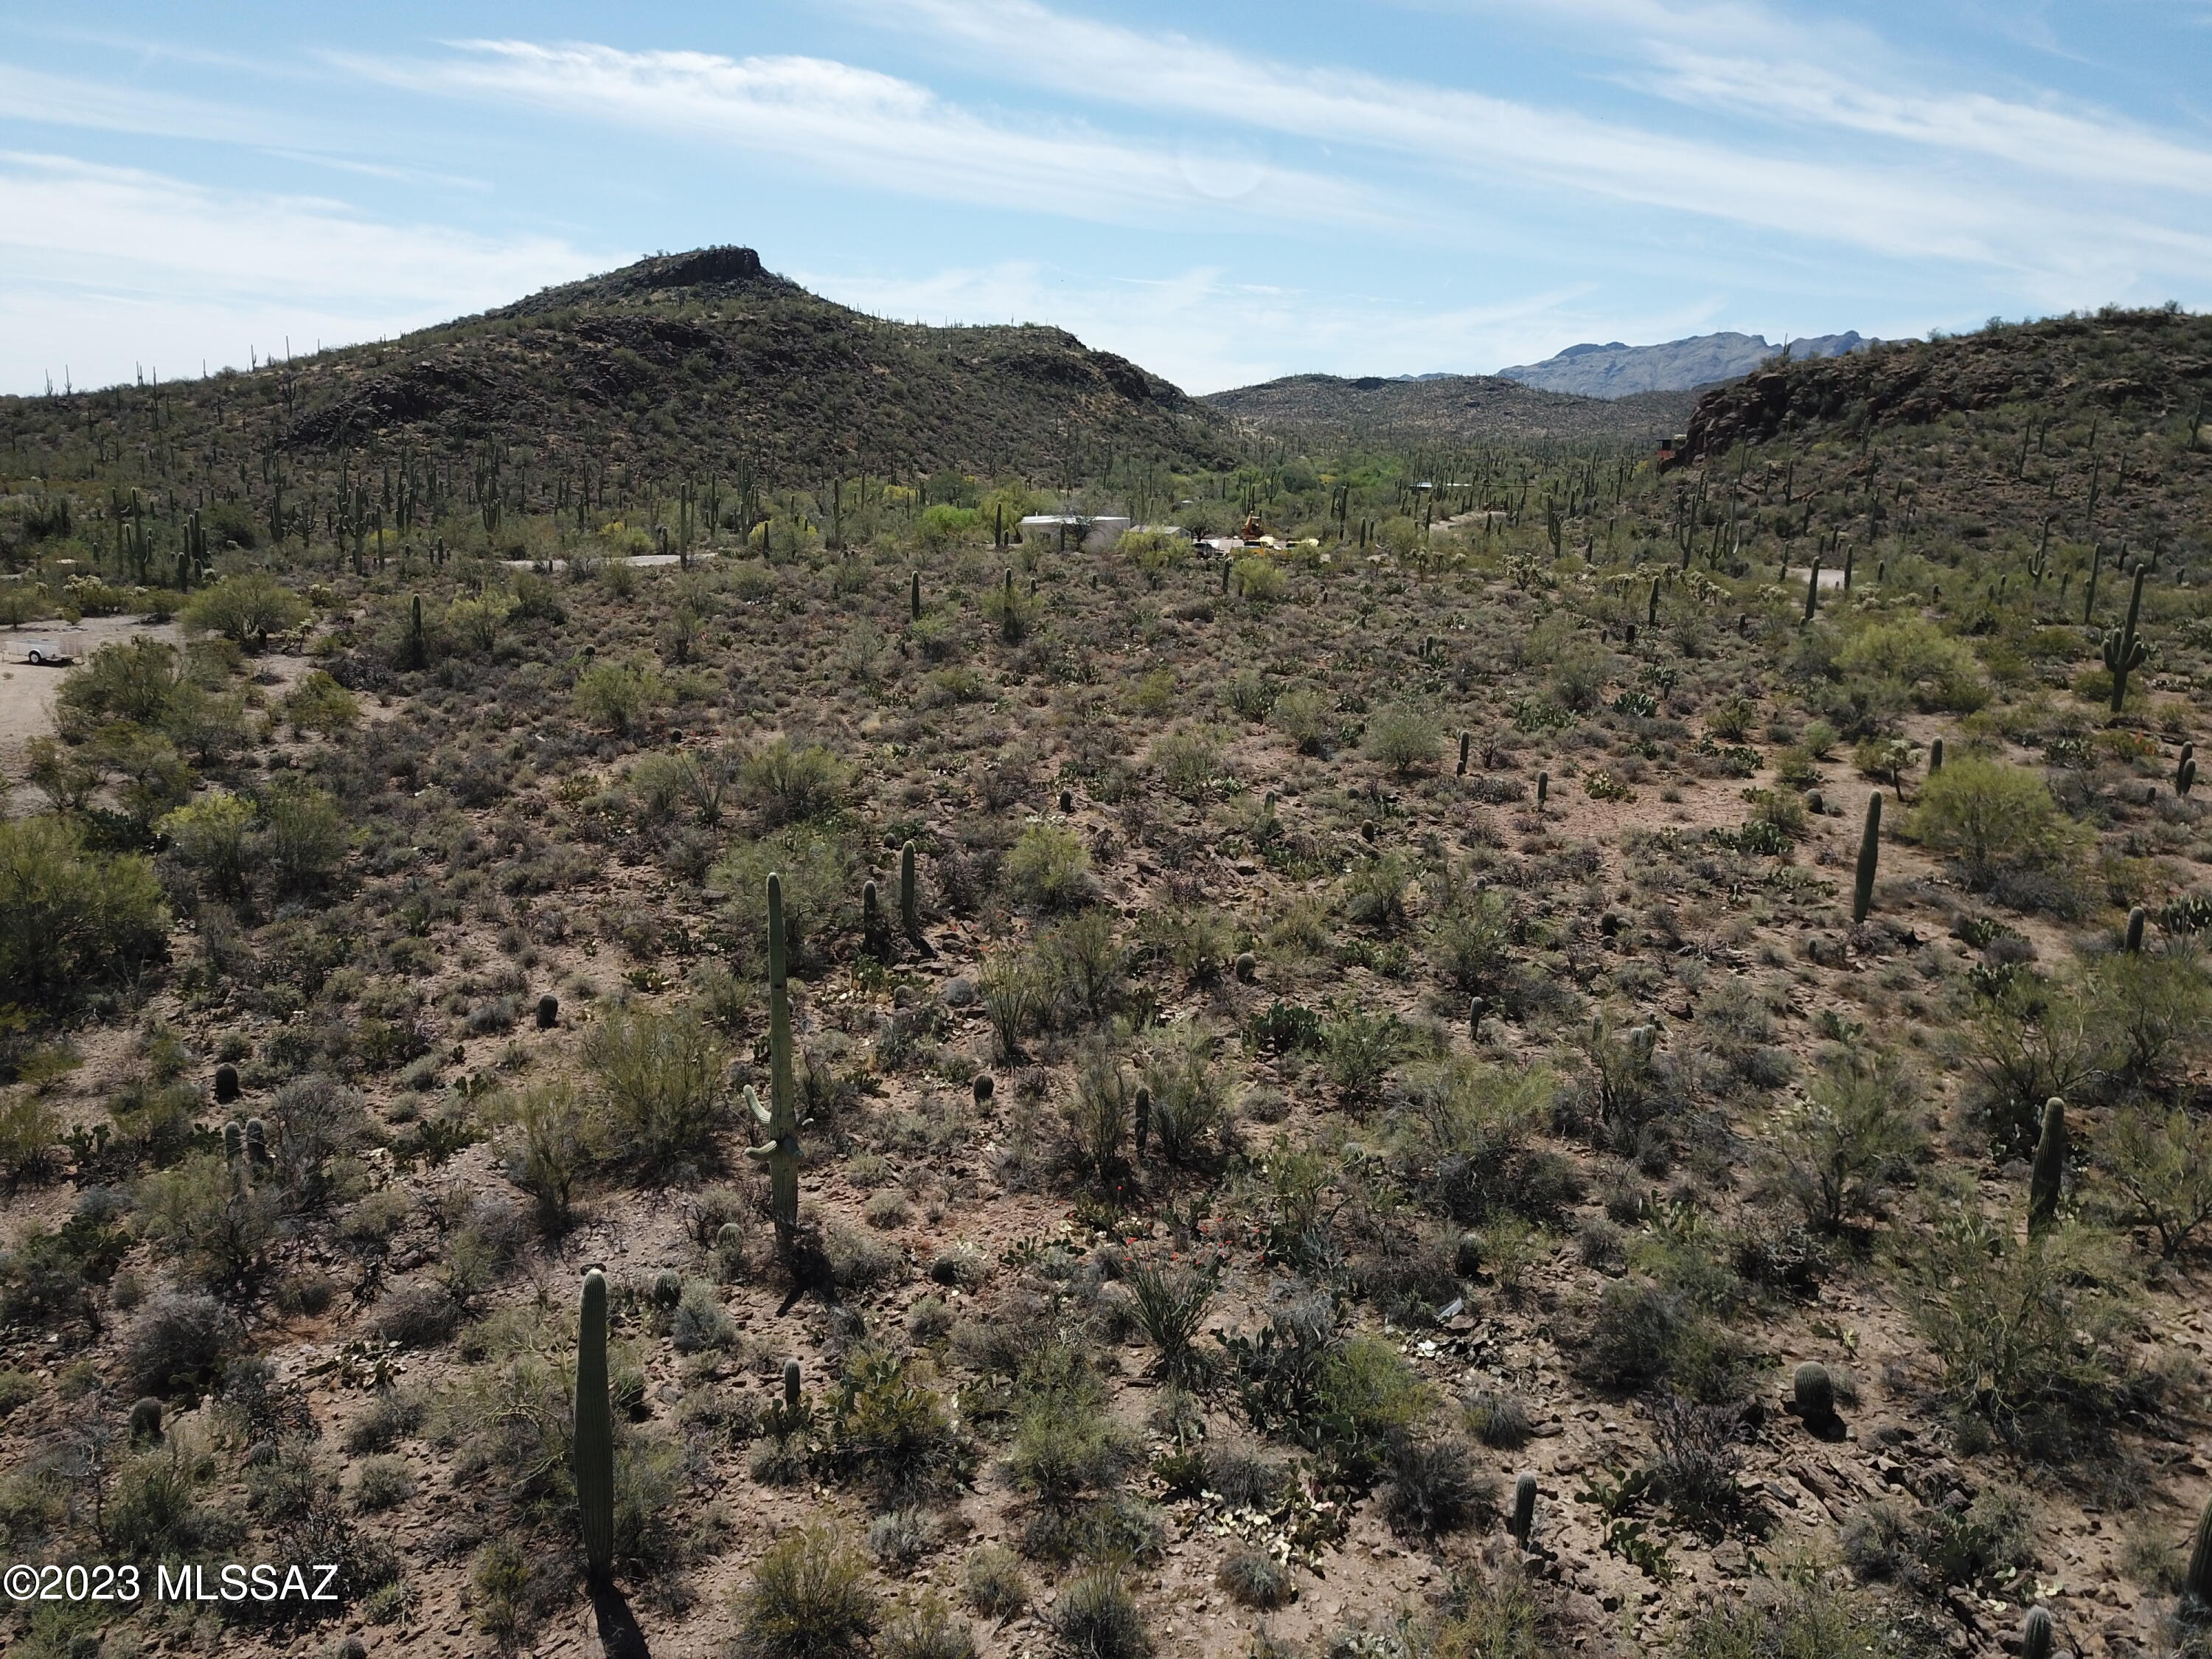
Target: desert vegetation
<point>877,1088</point>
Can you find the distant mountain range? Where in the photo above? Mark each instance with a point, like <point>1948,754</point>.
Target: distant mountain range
<point>1447,408</point>
<point>1617,370</point>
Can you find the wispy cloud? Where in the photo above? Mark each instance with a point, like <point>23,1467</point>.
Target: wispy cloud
<point>103,260</point>
<point>1896,206</point>
<point>877,130</point>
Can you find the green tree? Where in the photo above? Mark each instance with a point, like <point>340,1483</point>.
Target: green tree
<point>305,838</point>
<point>210,835</point>
<point>71,922</point>
<point>1994,818</point>
<point>1860,1132</point>
<point>2162,1166</point>
<point>319,703</point>
<point>618,695</point>
<point>129,680</point>
<point>245,608</point>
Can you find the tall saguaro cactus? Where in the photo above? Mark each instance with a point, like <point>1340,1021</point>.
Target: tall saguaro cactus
<point>779,1117</point>
<point>910,900</point>
<point>1870,858</point>
<point>2124,652</point>
<point>2048,1169</point>
<point>595,1431</point>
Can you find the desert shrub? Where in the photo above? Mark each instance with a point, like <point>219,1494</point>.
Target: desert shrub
<point>1976,1545</point>
<point>154,1512</point>
<point>2157,1008</point>
<point>1048,868</point>
<point>699,1322</point>
<point>557,1137</point>
<point>1099,1115</point>
<point>244,608</point>
<point>809,1599</point>
<point>2030,1337</point>
<point>1098,1619</point>
<point>993,1583</point>
<point>1187,763</point>
<point>899,1538</point>
<point>125,680</point>
<point>71,923</point>
<point>1086,964</point>
<point>1193,1103</point>
<point>2025,1044</point>
<point>821,890</point>
<point>662,1085</point>
<point>2161,1165</point>
<point>390,1418</point>
<point>619,694</point>
<point>1255,1577</point>
<point>1698,1458</point>
<point>787,783</point>
<point>176,1344</point>
<point>210,835</point>
<point>382,1483</point>
<point>303,837</point>
<point>1261,580</point>
<point>889,1428</point>
<point>319,703</point>
<point>1170,1299</point>
<point>1358,1049</point>
<point>221,1228</point>
<point>1469,942</point>
<point>1250,696</point>
<point>921,1626</point>
<point>1858,1133</point>
<point>1498,1420</point>
<point>1433,1489</point>
<point>1925,664</point>
<point>1375,892</point>
<point>1466,1135</point>
<point>1996,819</point>
<point>1800,1616</point>
<point>1307,718</point>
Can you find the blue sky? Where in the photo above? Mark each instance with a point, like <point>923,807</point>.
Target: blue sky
<point>1224,192</point>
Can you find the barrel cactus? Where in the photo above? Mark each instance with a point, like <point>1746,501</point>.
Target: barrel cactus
<point>2035,1634</point>
<point>226,1084</point>
<point>1814,1392</point>
<point>549,1012</point>
<point>1524,1510</point>
<point>146,1422</point>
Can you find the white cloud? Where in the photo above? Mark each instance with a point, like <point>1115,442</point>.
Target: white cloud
<point>876,129</point>
<point>111,267</point>
<point>1898,207</point>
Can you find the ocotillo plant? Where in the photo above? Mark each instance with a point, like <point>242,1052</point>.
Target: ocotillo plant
<point>1524,1510</point>
<point>2050,1165</point>
<point>2124,652</point>
<point>1869,857</point>
<point>2131,941</point>
<point>595,1431</point>
<point>779,1117</point>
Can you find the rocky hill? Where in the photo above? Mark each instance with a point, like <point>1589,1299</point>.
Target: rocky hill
<point>1617,370</point>
<point>678,366</point>
<point>1448,407</point>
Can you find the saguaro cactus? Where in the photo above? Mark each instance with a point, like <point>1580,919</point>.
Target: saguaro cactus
<point>2050,1165</point>
<point>1935,756</point>
<point>2124,652</point>
<point>1651,610</point>
<point>1465,739</point>
<point>234,1142</point>
<point>257,1142</point>
<point>1870,858</point>
<point>2035,1633</point>
<point>910,900</point>
<point>1524,1510</point>
<point>418,650</point>
<point>595,1431</point>
<point>779,1117</point>
<point>2132,941</point>
<point>874,937</point>
<point>914,597</point>
<point>1543,788</point>
<point>2185,771</point>
<point>2197,1579</point>
<point>1144,1118</point>
<point>1813,588</point>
